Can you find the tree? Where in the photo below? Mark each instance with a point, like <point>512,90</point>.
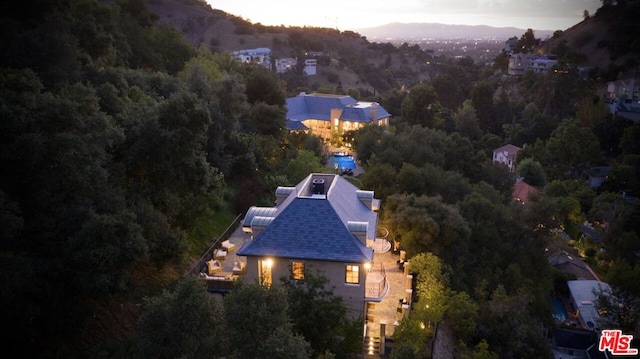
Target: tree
<point>306,162</point>
<point>466,121</point>
<point>183,322</point>
<point>619,308</point>
<point>259,325</point>
<point>532,172</point>
<point>448,92</point>
<point>526,44</point>
<point>570,149</point>
<point>482,99</point>
<point>318,315</point>
<point>420,107</point>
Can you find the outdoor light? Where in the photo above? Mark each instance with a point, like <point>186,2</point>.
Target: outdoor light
<point>268,263</point>
<point>367,266</point>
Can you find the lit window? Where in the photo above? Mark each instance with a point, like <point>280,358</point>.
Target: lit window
<point>352,274</point>
<point>297,270</point>
<point>264,272</point>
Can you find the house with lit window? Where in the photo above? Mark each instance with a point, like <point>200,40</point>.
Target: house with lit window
<point>623,97</point>
<point>323,224</point>
<point>332,115</point>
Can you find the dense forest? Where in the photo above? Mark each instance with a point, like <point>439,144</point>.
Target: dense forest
<point>125,149</point>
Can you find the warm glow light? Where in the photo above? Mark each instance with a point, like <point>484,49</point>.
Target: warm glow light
<point>268,263</point>
<point>422,325</point>
<point>367,265</point>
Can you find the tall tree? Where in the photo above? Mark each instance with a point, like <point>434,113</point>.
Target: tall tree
<point>420,107</point>
<point>183,322</point>
<point>258,323</point>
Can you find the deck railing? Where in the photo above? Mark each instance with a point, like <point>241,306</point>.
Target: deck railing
<point>376,283</point>
<point>197,267</point>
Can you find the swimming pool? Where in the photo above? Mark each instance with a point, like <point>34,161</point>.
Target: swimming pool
<point>559,312</point>
<point>341,161</point>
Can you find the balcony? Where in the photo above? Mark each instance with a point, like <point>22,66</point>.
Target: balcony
<point>376,283</point>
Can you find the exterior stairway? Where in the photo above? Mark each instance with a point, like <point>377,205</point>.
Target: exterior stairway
<point>371,347</point>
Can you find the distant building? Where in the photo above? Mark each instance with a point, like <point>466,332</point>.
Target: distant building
<point>542,64</point>
<point>575,344</point>
<point>584,301</point>
<point>260,55</point>
<point>623,97</point>
<point>523,192</point>
<point>595,176</point>
<point>510,45</point>
<point>539,64</point>
<point>506,155</point>
<point>310,67</point>
<point>285,64</point>
<point>330,115</point>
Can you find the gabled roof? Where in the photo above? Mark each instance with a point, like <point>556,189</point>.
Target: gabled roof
<point>315,227</point>
<point>523,191</point>
<point>319,106</point>
<point>296,126</point>
<point>510,149</point>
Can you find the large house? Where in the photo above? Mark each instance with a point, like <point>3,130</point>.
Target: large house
<point>623,97</point>
<point>322,224</point>
<point>519,63</point>
<point>332,115</point>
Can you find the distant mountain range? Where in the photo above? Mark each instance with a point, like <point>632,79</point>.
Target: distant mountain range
<point>401,31</point>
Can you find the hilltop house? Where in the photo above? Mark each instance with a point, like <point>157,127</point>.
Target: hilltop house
<point>323,224</point>
<point>260,55</point>
<point>520,62</point>
<point>287,64</point>
<point>623,97</point>
<point>507,156</point>
<point>332,115</point>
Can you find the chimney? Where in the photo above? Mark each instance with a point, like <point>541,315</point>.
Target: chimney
<point>374,113</point>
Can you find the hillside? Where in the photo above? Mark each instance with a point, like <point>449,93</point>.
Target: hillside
<point>443,31</point>
<point>607,40</point>
<point>356,62</point>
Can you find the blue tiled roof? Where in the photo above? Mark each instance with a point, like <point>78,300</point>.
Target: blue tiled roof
<point>304,107</point>
<point>296,126</point>
<point>316,228</point>
<point>308,228</point>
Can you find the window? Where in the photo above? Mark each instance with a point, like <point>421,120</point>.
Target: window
<point>264,271</point>
<point>297,270</point>
<point>352,274</point>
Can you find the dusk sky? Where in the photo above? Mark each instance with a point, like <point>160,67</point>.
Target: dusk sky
<point>355,14</point>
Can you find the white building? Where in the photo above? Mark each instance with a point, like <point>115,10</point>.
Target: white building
<point>507,156</point>
<point>310,67</point>
<point>623,96</point>
<point>539,64</point>
<point>285,64</point>
<point>260,55</point>
<point>584,301</point>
